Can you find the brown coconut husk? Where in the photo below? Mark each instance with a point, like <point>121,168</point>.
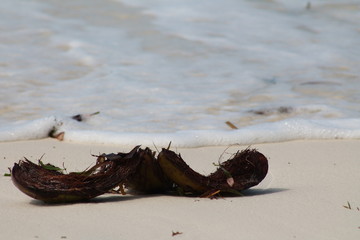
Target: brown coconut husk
<point>53,186</point>
<point>149,177</point>
<point>246,169</point>
<point>139,170</point>
<point>175,168</point>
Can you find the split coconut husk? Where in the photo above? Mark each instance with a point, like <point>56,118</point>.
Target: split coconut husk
<point>141,171</point>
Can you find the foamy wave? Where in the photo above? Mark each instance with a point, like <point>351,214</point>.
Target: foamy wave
<point>157,70</point>
<point>35,129</point>
<point>286,130</point>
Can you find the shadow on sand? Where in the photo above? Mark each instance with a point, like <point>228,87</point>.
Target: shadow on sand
<point>108,198</point>
<point>255,192</point>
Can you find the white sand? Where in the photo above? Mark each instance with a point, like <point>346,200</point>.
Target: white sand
<point>303,197</point>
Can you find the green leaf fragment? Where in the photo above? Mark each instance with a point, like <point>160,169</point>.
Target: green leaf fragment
<point>50,167</point>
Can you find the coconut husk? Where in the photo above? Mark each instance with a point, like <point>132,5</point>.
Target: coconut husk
<point>53,186</point>
<point>181,174</point>
<point>246,169</point>
<point>149,177</point>
<point>138,170</point>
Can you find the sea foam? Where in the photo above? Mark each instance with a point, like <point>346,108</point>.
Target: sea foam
<point>285,130</point>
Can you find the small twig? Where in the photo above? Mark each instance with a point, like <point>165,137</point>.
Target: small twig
<point>348,205</point>
<point>82,117</point>
<point>210,194</point>
<point>156,148</point>
<point>231,125</point>
<point>169,146</point>
<point>64,168</point>
<point>41,157</point>
<point>175,233</point>
<point>222,154</point>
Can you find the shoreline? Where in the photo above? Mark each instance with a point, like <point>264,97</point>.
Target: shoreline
<point>306,195</point>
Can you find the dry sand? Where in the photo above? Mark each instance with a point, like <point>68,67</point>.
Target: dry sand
<point>303,197</point>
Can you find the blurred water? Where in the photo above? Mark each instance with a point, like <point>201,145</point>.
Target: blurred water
<point>159,67</point>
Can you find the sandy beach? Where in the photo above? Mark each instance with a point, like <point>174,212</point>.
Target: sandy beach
<point>112,74</point>
<point>311,192</point>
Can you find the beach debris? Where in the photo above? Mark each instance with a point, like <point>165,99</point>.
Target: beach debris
<point>53,133</point>
<point>231,125</point>
<point>8,174</point>
<point>83,117</point>
<point>272,111</point>
<point>60,136</point>
<point>247,168</point>
<point>210,194</point>
<point>139,171</point>
<point>51,167</point>
<point>348,206</point>
<point>175,233</point>
<point>52,186</point>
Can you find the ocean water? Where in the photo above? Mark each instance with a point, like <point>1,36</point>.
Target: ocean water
<point>160,71</point>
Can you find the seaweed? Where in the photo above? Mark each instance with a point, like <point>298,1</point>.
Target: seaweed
<point>139,170</point>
